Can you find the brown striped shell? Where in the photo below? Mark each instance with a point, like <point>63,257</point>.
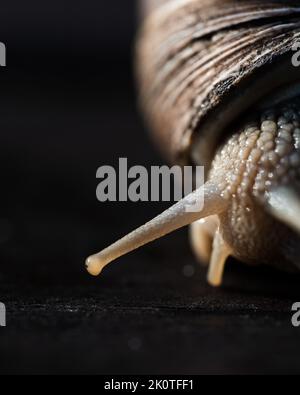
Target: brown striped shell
<point>203,63</point>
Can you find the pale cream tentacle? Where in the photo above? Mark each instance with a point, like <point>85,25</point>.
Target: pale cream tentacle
<point>174,218</point>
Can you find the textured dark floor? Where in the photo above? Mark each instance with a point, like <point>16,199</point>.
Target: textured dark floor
<point>145,317</point>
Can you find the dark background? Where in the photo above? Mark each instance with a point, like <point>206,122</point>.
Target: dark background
<point>68,105</point>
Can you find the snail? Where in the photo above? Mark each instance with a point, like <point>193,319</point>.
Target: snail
<point>219,89</point>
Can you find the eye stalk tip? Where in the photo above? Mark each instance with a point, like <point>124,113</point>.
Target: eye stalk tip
<point>94,265</point>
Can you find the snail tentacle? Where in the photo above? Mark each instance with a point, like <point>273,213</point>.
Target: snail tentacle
<point>202,234</point>
<point>221,251</point>
<point>174,218</point>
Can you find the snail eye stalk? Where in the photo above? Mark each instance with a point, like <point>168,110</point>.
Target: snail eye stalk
<point>174,218</point>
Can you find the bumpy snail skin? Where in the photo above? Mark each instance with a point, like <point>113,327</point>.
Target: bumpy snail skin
<point>258,171</point>
<point>251,196</point>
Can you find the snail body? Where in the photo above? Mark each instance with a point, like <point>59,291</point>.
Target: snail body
<point>219,89</point>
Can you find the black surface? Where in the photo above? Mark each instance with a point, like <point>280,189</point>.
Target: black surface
<point>145,317</point>
<point>68,106</point>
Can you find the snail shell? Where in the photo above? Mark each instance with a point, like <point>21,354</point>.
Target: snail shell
<point>203,63</point>
<point>219,89</point>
